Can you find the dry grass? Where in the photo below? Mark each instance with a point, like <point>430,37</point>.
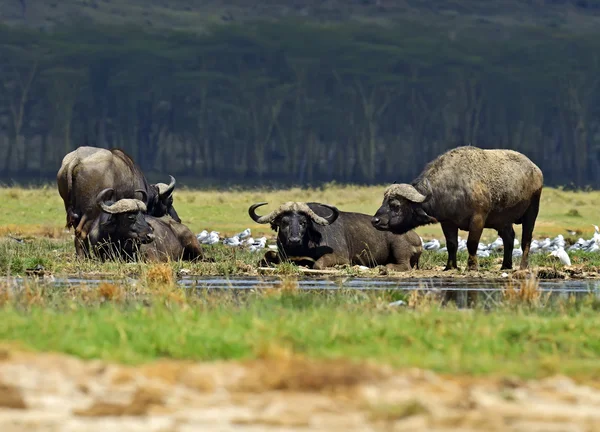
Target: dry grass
<point>523,292</point>
<point>40,212</point>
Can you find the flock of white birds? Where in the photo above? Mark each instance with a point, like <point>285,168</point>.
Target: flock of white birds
<point>554,247</point>
<point>243,239</point>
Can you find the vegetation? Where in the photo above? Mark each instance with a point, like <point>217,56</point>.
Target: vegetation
<point>303,101</point>
<point>32,228</point>
<point>525,337</point>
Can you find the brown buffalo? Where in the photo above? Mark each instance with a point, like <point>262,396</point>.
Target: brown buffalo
<point>88,170</point>
<point>470,189</point>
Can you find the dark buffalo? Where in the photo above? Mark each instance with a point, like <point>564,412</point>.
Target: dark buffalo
<point>470,189</point>
<point>325,236</point>
<point>173,241</point>
<point>124,231</point>
<point>88,170</point>
<point>118,230</point>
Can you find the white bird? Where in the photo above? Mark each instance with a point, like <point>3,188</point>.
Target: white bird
<point>496,244</point>
<point>562,256</point>
<point>517,252</point>
<point>596,236</point>
<point>432,245</point>
<point>232,241</point>
<point>244,234</point>
<point>248,242</point>
<point>593,248</point>
<point>260,243</point>
<point>212,238</point>
<point>202,236</point>
<point>483,253</point>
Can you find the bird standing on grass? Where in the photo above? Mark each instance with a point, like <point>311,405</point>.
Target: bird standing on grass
<point>562,256</point>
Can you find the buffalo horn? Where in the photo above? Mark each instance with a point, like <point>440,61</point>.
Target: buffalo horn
<point>406,191</point>
<point>291,207</point>
<point>144,194</point>
<point>164,189</point>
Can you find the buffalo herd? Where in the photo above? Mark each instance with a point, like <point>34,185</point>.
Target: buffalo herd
<point>117,214</point>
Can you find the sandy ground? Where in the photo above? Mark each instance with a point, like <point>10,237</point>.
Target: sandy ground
<point>49,392</point>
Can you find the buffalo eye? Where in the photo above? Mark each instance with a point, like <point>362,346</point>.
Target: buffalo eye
<point>132,217</point>
<point>395,206</point>
<point>303,223</point>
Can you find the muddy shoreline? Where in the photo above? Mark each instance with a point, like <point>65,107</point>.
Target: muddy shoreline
<point>47,392</point>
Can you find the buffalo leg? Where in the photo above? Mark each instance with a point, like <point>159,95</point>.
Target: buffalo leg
<point>507,234</point>
<point>270,258</point>
<point>81,248</point>
<point>329,260</point>
<point>451,233</point>
<point>475,231</point>
<point>528,224</point>
<point>414,260</point>
<point>79,228</point>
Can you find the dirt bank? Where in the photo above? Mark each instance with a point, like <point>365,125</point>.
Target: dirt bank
<point>48,392</point>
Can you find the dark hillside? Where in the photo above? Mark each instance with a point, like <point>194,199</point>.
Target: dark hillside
<point>299,91</point>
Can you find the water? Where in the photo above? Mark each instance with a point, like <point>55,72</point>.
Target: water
<point>484,291</point>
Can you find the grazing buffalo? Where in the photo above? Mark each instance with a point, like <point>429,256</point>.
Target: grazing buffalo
<point>470,189</point>
<point>88,170</point>
<point>325,236</point>
<point>122,230</point>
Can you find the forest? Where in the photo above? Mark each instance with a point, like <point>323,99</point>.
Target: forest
<point>292,101</point>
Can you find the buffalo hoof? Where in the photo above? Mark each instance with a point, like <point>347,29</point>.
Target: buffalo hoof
<point>448,268</point>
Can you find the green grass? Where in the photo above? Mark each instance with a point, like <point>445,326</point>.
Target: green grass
<point>37,215</point>
<point>113,323</point>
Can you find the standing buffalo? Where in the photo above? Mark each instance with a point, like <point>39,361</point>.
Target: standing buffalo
<point>88,170</point>
<point>326,236</point>
<point>122,230</point>
<point>470,189</point>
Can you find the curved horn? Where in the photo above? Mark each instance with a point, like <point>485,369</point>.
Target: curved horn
<point>100,198</point>
<point>144,194</point>
<point>170,188</point>
<point>333,216</point>
<point>405,191</point>
<point>304,208</point>
<point>268,218</point>
<point>126,205</point>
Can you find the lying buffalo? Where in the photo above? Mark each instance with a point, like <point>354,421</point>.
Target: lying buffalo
<point>119,229</point>
<point>172,241</point>
<point>470,189</point>
<point>123,230</point>
<point>88,170</point>
<point>325,236</point>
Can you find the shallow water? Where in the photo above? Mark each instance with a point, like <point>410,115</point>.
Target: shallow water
<point>236,283</point>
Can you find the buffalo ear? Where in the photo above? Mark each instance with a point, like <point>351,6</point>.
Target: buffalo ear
<point>422,217</point>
